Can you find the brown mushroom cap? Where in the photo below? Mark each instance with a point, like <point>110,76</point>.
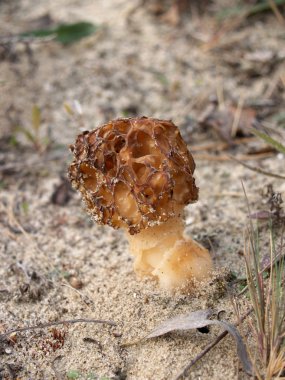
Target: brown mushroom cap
<point>133,173</point>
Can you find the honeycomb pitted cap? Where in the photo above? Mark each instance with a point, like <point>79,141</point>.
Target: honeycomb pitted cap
<point>133,173</point>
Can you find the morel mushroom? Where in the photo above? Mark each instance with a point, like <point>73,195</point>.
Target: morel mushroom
<point>137,174</point>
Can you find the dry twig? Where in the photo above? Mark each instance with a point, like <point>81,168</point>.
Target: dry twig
<point>49,324</point>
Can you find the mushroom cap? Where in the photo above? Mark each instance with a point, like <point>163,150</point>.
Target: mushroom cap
<point>133,173</point>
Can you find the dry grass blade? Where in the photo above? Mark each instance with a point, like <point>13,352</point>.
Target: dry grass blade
<point>237,117</point>
<point>219,146</point>
<point>279,257</point>
<point>241,157</point>
<point>258,170</point>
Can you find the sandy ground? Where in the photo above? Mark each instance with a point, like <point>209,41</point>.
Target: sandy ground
<point>58,265</point>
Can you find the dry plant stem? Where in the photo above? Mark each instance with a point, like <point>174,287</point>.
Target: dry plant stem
<point>277,259</point>
<point>237,116</point>
<point>80,320</point>
<point>242,157</point>
<point>258,170</point>
<point>162,251</point>
<point>222,145</point>
<point>221,336</point>
<point>268,302</point>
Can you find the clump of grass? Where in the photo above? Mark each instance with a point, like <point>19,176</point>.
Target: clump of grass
<point>267,296</point>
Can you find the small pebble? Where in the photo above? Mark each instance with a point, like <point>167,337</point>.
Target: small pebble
<point>8,350</point>
<point>75,282</point>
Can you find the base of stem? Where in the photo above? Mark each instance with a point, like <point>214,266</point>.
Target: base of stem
<point>162,251</point>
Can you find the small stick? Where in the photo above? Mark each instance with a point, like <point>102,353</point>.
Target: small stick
<point>49,324</point>
<point>183,373</point>
<point>221,336</point>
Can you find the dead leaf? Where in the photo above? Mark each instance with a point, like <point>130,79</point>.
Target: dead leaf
<point>190,321</point>
<point>198,319</point>
<point>223,120</point>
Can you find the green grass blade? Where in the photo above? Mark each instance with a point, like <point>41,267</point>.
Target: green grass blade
<point>39,33</point>
<point>269,140</point>
<point>65,33</point>
<point>29,136</point>
<point>70,33</point>
<point>36,118</point>
<point>236,11</point>
<point>264,6</point>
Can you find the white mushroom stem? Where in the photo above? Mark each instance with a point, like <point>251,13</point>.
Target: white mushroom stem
<point>164,252</point>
